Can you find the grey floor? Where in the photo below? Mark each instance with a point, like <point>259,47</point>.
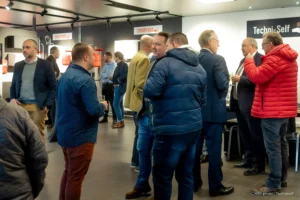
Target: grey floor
<point>110,176</point>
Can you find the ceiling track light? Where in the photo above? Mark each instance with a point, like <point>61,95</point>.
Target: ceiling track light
<point>72,26</point>
<point>108,24</point>
<point>157,18</point>
<point>129,21</point>
<point>47,28</point>
<point>44,12</point>
<point>9,5</point>
<point>76,19</point>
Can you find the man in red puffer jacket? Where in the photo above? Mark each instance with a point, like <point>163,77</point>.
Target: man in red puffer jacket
<point>275,99</point>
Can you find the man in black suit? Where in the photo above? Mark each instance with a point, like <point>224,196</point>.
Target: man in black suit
<point>214,113</point>
<point>33,85</point>
<point>241,99</point>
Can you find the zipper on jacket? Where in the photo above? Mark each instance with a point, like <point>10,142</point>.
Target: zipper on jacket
<point>262,102</point>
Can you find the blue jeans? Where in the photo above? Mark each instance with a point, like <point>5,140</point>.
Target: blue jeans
<point>135,154</point>
<point>174,153</point>
<point>272,133</point>
<point>144,146</point>
<point>212,133</point>
<point>118,103</point>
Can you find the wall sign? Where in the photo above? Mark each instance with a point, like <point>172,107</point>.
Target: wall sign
<point>287,27</point>
<point>147,30</point>
<point>62,36</point>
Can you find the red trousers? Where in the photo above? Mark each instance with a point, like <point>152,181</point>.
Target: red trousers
<point>77,162</point>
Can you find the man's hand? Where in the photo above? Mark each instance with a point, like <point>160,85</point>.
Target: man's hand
<point>110,78</point>
<point>46,109</point>
<point>15,101</point>
<point>249,55</point>
<point>105,104</point>
<point>236,78</point>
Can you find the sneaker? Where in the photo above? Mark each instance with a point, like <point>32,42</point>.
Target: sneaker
<point>137,192</point>
<point>137,170</point>
<point>264,191</point>
<point>133,166</point>
<point>104,120</point>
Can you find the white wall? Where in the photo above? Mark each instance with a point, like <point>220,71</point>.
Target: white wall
<point>231,29</point>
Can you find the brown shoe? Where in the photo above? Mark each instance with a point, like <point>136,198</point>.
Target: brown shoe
<point>137,192</point>
<point>117,125</point>
<point>264,191</point>
<point>123,124</point>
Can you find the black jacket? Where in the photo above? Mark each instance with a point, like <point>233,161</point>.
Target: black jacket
<point>120,76</point>
<point>23,157</point>
<point>54,65</point>
<point>44,83</point>
<point>245,90</point>
<point>217,86</point>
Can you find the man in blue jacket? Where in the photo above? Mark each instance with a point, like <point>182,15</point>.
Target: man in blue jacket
<point>176,89</point>
<point>78,113</point>
<point>214,113</point>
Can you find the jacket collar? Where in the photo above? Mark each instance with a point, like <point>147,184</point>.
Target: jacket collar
<point>206,50</point>
<point>2,103</point>
<point>79,68</point>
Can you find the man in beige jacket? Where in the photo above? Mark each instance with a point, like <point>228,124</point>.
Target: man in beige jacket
<point>136,78</point>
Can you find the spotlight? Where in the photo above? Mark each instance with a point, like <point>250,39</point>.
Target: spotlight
<point>44,12</point>
<point>47,28</point>
<point>157,18</point>
<point>72,26</point>
<point>76,19</point>
<point>9,5</point>
<point>129,21</point>
<point>108,24</point>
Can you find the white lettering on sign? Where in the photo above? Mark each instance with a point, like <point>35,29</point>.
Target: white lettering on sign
<point>62,36</point>
<point>147,30</point>
<point>279,29</point>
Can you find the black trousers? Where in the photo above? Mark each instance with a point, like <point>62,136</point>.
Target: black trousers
<point>252,139</point>
<point>108,92</point>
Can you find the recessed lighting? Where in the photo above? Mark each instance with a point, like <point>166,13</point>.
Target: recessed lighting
<point>297,2</point>
<point>250,7</point>
<point>214,1</point>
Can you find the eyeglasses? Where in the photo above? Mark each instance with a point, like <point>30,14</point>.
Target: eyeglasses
<point>218,41</point>
<point>244,45</point>
<point>263,44</point>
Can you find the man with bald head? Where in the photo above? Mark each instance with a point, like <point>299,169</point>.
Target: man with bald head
<point>33,85</point>
<point>137,72</point>
<point>242,95</point>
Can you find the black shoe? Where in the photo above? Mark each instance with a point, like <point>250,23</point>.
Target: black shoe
<point>284,184</point>
<point>104,120</point>
<point>198,186</point>
<point>243,165</point>
<point>204,159</point>
<point>222,191</point>
<point>137,192</point>
<point>253,171</point>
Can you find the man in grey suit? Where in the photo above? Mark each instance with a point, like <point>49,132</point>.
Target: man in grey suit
<point>242,95</point>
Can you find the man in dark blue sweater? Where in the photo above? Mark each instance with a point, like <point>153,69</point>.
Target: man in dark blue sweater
<point>77,120</point>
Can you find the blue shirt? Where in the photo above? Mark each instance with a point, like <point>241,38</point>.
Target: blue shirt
<point>108,71</point>
<point>78,108</point>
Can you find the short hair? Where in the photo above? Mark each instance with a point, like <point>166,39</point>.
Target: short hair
<point>204,37</point>
<point>79,50</point>
<point>274,37</point>
<point>119,55</point>
<point>34,42</point>
<point>53,50</point>
<point>253,42</point>
<point>164,34</point>
<point>145,39</point>
<point>108,54</point>
<point>179,38</point>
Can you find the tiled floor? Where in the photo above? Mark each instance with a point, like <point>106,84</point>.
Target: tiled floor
<point>110,176</point>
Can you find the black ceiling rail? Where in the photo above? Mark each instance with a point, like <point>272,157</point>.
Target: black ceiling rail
<point>89,20</point>
<point>34,12</point>
<point>13,24</point>
<point>55,8</point>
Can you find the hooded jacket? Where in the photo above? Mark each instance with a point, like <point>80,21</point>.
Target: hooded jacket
<point>23,157</point>
<point>176,88</point>
<point>276,83</point>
